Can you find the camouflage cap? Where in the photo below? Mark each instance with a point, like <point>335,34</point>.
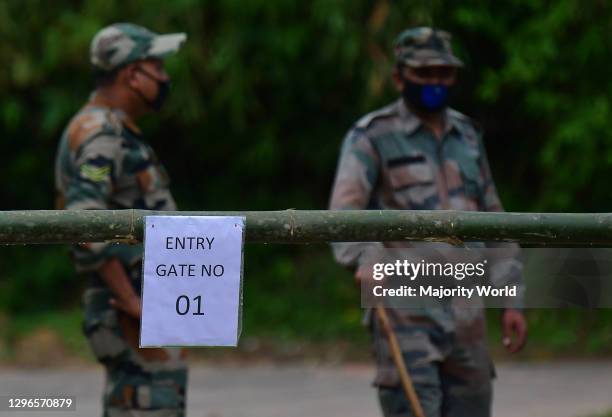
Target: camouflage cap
<point>122,43</point>
<point>424,46</point>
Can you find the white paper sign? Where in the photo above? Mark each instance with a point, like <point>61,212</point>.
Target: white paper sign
<point>192,276</point>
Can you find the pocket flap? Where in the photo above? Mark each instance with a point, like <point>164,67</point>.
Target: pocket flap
<point>409,171</point>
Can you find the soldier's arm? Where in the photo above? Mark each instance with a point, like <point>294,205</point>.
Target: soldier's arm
<point>116,279</point>
<point>97,164</point>
<point>356,175</point>
<point>490,199</point>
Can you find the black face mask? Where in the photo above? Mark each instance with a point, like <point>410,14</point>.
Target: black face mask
<point>163,88</point>
<point>428,98</point>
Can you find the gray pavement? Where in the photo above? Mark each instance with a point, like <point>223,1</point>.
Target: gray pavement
<point>568,389</point>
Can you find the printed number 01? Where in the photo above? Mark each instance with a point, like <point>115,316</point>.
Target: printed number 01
<point>186,304</point>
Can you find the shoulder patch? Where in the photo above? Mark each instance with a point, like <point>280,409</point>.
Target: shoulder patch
<point>385,112</point>
<point>95,173</point>
<point>89,123</point>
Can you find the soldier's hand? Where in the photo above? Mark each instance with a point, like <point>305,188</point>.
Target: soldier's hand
<point>130,306</point>
<point>514,328</point>
<point>363,274</point>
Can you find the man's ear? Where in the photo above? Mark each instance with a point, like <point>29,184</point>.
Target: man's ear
<point>398,82</point>
<point>129,75</point>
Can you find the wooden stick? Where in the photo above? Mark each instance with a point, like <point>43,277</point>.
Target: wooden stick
<point>398,359</point>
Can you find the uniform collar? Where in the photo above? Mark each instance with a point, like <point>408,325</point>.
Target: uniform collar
<point>412,122</point>
<point>95,100</point>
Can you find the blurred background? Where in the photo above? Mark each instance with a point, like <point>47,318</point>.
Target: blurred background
<point>263,92</point>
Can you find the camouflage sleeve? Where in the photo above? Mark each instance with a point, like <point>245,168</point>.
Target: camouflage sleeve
<point>490,200</point>
<point>96,163</point>
<point>356,176</point>
<point>95,167</point>
<point>507,269</point>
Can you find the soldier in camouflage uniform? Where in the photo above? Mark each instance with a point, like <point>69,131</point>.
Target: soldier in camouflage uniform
<point>103,162</point>
<point>417,154</point>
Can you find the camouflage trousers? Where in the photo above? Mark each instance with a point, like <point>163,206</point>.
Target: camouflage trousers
<point>451,370</point>
<point>148,382</point>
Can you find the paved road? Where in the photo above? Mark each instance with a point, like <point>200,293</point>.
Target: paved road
<point>542,390</point>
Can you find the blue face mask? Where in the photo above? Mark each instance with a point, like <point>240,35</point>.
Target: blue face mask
<point>428,98</point>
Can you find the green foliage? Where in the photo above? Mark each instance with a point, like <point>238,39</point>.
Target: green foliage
<point>263,93</point>
<point>543,93</point>
<point>63,325</point>
<point>608,414</point>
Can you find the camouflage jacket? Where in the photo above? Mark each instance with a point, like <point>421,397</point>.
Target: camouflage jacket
<point>391,160</point>
<point>103,163</point>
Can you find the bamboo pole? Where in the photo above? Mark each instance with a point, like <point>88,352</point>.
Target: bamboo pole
<point>311,226</point>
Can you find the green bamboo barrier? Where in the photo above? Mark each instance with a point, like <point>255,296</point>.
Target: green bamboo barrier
<point>315,226</point>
